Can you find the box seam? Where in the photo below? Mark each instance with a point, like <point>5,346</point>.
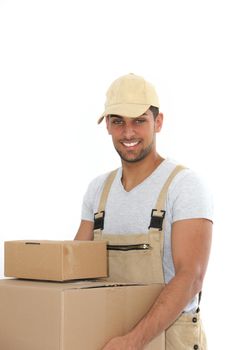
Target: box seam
<point>62,261</point>
<point>62,323</point>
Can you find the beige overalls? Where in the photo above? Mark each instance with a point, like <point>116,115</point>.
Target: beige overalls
<point>138,258</point>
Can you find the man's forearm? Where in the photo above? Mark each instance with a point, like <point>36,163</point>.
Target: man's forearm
<point>167,307</point>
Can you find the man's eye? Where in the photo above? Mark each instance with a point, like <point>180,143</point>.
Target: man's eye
<point>140,121</point>
<point>117,121</point>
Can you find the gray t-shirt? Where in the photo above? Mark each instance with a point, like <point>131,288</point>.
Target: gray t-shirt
<point>130,212</point>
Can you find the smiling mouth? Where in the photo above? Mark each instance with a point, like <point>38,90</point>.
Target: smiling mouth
<point>130,144</point>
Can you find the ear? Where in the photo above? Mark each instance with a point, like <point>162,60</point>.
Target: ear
<point>158,122</point>
<point>108,125</point>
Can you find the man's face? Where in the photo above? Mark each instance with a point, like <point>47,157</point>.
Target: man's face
<point>133,138</point>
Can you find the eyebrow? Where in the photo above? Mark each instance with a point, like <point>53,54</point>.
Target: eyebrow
<point>120,117</point>
<point>115,116</point>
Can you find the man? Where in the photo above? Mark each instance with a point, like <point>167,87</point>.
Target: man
<point>156,216</point>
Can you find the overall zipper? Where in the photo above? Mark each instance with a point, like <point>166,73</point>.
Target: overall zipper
<point>125,247</point>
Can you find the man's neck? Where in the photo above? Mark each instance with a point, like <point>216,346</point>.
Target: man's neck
<point>135,173</point>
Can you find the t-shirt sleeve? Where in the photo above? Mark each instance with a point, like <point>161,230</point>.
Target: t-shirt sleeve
<point>87,209</point>
<point>91,198</point>
<point>190,198</point>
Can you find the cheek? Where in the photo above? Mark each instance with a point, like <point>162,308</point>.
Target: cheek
<point>109,129</point>
<point>148,132</point>
<point>115,131</point>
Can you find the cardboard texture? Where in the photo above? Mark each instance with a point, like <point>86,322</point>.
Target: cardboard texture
<point>71,316</point>
<point>55,260</point>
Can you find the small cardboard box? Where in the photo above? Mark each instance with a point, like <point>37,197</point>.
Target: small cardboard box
<point>37,315</point>
<point>55,260</point>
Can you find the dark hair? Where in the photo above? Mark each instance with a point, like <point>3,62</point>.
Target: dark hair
<point>154,110</point>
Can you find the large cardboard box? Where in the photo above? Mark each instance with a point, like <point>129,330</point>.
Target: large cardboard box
<point>71,316</point>
<point>55,260</point>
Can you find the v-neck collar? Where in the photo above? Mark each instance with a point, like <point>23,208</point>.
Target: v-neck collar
<point>157,170</point>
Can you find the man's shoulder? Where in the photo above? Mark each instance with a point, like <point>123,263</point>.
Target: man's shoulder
<point>97,182</point>
<point>189,188</point>
<point>166,169</point>
<point>186,179</point>
<point>189,196</point>
<point>185,173</point>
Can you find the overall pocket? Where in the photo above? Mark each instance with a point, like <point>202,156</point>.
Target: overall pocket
<point>134,263</point>
<point>129,247</point>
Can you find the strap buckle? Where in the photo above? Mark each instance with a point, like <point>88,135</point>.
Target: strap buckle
<point>156,220</point>
<point>99,220</point>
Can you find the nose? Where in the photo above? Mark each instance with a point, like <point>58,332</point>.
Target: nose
<point>128,131</point>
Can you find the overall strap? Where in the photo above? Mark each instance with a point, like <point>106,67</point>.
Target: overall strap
<point>99,216</point>
<point>163,194</point>
<point>158,214</point>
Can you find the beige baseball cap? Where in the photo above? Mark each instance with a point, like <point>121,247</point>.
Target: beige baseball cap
<point>129,96</point>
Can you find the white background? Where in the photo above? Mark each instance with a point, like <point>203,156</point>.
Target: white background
<point>57,59</point>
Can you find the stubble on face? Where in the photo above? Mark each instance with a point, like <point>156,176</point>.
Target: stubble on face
<point>133,138</point>
<point>131,158</point>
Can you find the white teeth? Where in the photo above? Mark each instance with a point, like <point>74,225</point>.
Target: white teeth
<point>130,144</point>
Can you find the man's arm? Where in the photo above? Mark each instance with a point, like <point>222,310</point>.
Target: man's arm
<point>85,231</point>
<point>191,241</point>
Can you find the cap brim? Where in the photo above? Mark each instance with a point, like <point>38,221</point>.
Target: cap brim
<point>101,118</point>
<point>125,110</point>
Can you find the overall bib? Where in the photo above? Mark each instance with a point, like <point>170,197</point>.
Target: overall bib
<point>139,258</point>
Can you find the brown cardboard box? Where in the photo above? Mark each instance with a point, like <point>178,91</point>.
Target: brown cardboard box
<point>55,260</point>
<point>71,316</point>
